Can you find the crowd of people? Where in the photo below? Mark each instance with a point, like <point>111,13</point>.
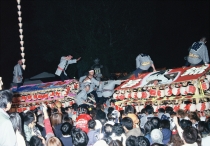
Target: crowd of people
<point>101,125</point>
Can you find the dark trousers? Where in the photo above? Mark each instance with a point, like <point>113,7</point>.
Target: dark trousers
<point>63,76</point>
<point>19,85</point>
<point>138,70</point>
<point>188,64</point>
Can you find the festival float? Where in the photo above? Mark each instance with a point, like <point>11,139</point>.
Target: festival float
<point>31,96</point>
<point>181,88</point>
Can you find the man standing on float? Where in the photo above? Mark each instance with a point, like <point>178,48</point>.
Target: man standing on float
<point>143,63</point>
<point>198,54</point>
<point>64,62</point>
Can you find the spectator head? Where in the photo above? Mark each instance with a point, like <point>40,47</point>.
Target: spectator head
<point>129,109</point>
<point>149,109</point>
<point>165,124</point>
<point>168,109</point>
<point>16,122</point>
<point>142,141</point>
<point>118,129</point>
<point>190,135</point>
<point>79,137</point>
<point>74,106</point>
<point>99,106</point>
<point>35,141</point>
<point>157,136</point>
<point>166,135</point>
<point>29,119</point>
<point>148,127</point>
<point>156,122</point>
<point>110,109</point>
<point>91,124</point>
<point>185,123</point>
<point>131,140</point>
<point>82,110</point>
<point>108,130</point>
<point>66,128</point>
<point>6,99</point>
<point>100,143</point>
<point>203,128</point>
<point>56,118</point>
<point>143,111</point>
<point>115,143</point>
<point>181,113</point>
<point>100,115</point>
<point>54,141</point>
<point>127,123</point>
<point>161,110</point>
<point>193,116</point>
<point>68,119</point>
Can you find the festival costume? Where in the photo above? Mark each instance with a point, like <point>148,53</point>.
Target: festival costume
<point>198,54</point>
<point>18,75</point>
<point>143,63</point>
<point>63,66</point>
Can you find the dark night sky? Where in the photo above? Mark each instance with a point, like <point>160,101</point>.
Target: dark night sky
<point>114,31</point>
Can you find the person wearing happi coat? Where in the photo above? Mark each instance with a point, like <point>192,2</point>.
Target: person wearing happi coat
<point>64,62</point>
<point>18,74</point>
<point>143,64</point>
<point>198,54</point>
<point>93,84</point>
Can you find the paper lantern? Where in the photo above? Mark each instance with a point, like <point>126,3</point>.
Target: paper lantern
<point>19,13</point>
<point>22,54</point>
<point>1,83</point>
<point>128,93</point>
<point>19,7</point>
<point>205,84</point>
<point>167,91</point>
<point>24,66</point>
<point>176,90</point>
<point>22,43</point>
<point>23,60</point>
<point>21,37</point>
<point>121,96</point>
<point>161,92</point>
<point>115,95</point>
<point>183,90</point>
<point>145,94</point>
<point>139,94</point>
<point>201,106</point>
<point>176,107</point>
<point>20,19</point>
<point>21,31</point>
<point>207,105</point>
<point>192,107</point>
<point>191,89</point>
<point>153,92</point>
<point>134,93</point>
<point>20,25</point>
<point>22,49</point>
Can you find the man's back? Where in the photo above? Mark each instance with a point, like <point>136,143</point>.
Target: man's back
<point>7,134</point>
<point>66,141</point>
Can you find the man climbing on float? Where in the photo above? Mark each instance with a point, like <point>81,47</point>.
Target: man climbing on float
<point>64,62</point>
<point>198,54</point>
<point>143,64</point>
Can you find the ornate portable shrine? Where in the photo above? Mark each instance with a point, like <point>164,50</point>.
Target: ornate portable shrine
<point>31,96</point>
<point>181,88</point>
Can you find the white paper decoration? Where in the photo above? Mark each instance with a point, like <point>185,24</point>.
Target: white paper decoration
<point>24,66</point>
<point>23,60</point>
<point>22,49</point>
<point>19,7</point>
<point>19,13</point>
<point>21,37</point>
<point>18,1</point>
<point>20,25</point>
<point>21,31</point>
<point>21,43</point>
<point>20,19</point>
<point>23,54</point>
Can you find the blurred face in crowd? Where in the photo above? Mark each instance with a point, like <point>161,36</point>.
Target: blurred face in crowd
<point>9,104</point>
<point>32,124</point>
<point>20,62</point>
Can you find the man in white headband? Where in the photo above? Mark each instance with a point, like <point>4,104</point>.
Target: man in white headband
<point>64,62</point>
<point>93,83</point>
